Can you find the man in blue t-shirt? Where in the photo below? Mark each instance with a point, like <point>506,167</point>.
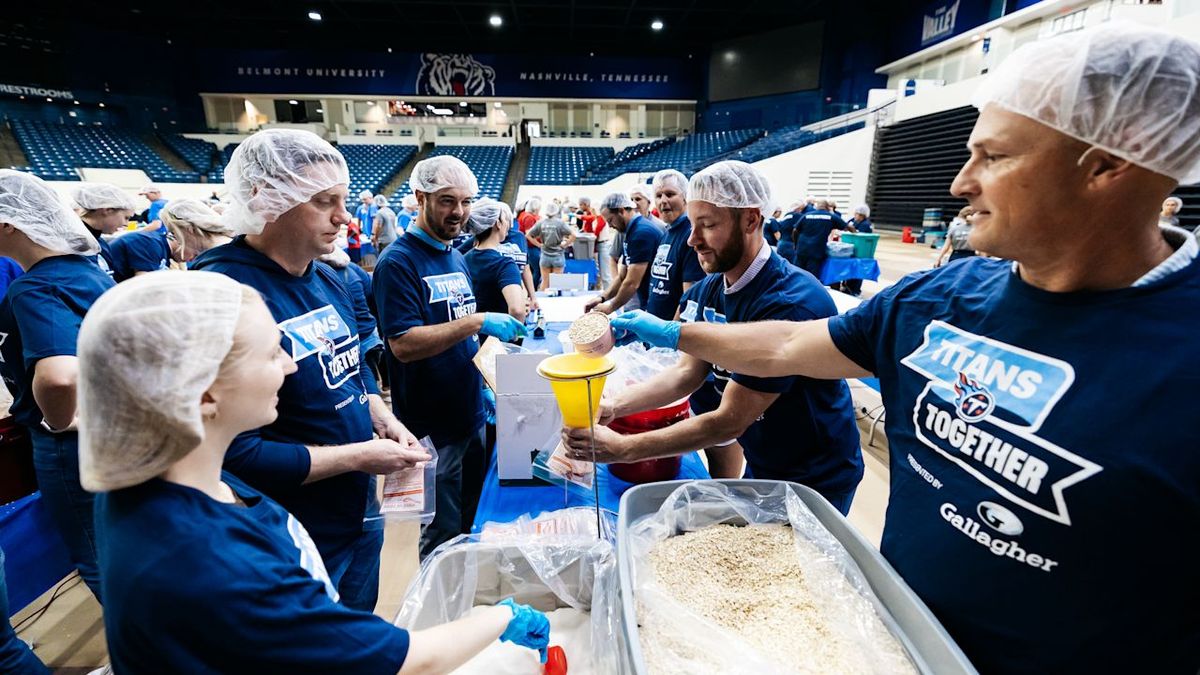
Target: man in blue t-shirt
<point>427,314</point>
<point>791,428</point>
<point>365,213</point>
<point>153,194</point>
<point>641,239</point>
<point>675,267</point>
<point>1035,488</point>
<point>811,234</point>
<point>318,458</point>
<point>140,252</point>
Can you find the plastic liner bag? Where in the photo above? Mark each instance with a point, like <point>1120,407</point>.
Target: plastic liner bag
<point>545,573</point>
<point>492,348</point>
<point>577,522</point>
<point>839,249</point>
<point>636,364</point>
<point>406,495</point>
<point>691,643</point>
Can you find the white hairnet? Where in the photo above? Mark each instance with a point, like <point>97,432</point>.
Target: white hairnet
<point>485,213</point>
<point>671,178</point>
<point>732,184</point>
<point>409,202</point>
<point>276,170</point>
<point>184,213</point>
<point>1177,200</point>
<point>534,205</point>
<point>616,201</point>
<point>380,201</point>
<point>643,190</point>
<point>148,350</point>
<point>365,193</point>
<point>92,196</point>
<point>552,209</point>
<point>863,209</point>
<point>1127,89</point>
<point>443,172</point>
<point>32,207</point>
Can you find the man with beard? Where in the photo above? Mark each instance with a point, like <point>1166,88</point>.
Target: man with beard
<point>422,288</point>
<point>791,428</point>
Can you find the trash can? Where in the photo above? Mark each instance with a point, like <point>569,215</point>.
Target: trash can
<point>864,243</point>
<point>584,246</point>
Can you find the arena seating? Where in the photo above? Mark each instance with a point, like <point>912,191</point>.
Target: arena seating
<point>777,142</point>
<point>197,153</point>
<point>686,152</point>
<point>372,166</point>
<point>489,162</point>
<point>56,150</point>
<point>562,165</point>
<point>217,173</point>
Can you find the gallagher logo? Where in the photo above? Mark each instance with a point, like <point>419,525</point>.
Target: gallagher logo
<point>974,402</point>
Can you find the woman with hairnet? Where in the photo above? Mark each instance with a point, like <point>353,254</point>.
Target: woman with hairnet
<point>642,195</point>
<point>287,191</point>
<point>553,237</point>
<point>203,572</point>
<point>1036,488</point>
<point>141,252</point>
<point>430,320</point>
<point>529,217</point>
<point>39,321</point>
<point>790,428</point>
<point>494,276</point>
<point>193,228</point>
<point>104,209</point>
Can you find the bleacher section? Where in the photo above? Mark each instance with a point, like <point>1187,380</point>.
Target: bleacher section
<point>776,143</point>
<point>56,150</point>
<point>914,163</point>
<point>372,166</point>
<point>199,154</point>
<point>489,162</point>
<point>562,165</point>
<point>694,149</point>
<point>217,173</point>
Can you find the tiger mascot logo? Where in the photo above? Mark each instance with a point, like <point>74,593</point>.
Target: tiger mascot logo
<point>454,75</point>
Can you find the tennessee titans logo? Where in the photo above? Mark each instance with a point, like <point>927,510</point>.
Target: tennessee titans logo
<point>327,346</point>
<point>974,401</point>
<point>455,75</point>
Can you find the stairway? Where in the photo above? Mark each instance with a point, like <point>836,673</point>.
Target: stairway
<point>10,150</point>
<point>405,171</point>
<point>516,172</point>
<point>168,155</point>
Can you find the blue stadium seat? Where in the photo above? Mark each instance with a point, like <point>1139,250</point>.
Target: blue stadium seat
<point>56,150</point>
<point>489,162</point>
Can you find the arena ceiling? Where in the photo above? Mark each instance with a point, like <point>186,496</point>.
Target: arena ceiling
<point>609,27</point>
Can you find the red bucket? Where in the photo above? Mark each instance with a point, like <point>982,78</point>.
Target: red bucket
<point>649,470</point>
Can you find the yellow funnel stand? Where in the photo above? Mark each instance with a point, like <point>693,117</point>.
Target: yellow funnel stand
<point>577,381</point>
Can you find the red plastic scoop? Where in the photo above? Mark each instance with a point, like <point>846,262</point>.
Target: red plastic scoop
<point>556,662</point>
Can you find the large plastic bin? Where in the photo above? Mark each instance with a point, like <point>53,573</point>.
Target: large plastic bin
<point>864,243</point>
<point>931,648</point>
<point>584,247</point>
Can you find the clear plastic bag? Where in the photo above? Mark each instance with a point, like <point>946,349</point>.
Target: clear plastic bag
<point>408,495</point>
<point>552,465</point>
<point>854,613</point>
<point>545,573</point>
<point>577,522</point>
<point>636,364</point>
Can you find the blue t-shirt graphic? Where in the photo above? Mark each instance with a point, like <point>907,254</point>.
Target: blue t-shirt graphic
<point>808,435</point>
<point>419,281</point>
<point>675,263</point>
<point>195,585</point>
<point>1038,479</point>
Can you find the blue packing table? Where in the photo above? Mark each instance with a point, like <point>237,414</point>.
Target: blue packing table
<point>840,269</point>
<point>505,503</point>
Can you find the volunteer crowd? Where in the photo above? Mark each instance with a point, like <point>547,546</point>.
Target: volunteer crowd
<point>208,438</point>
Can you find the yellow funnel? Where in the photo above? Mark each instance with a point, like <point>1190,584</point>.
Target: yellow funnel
<point>571,377</point>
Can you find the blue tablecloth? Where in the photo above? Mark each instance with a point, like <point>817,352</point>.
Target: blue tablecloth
<point>840,269</point>
<point>35,557</point>
<point>505,503</point>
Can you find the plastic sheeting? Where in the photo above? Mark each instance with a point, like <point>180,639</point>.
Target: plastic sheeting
<point>545,572</point>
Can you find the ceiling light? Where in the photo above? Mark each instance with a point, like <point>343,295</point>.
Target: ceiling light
<point>75,102</point>
<point>389,50</point>
<point>293,101</point>
<point>49,100</point>
<point>443,111</point>
<point>315,16</point>
<point>320,110</point>
<point>657,24</point>
<point>462,104</point>
<point>496,20</point>
<point>102,104</point>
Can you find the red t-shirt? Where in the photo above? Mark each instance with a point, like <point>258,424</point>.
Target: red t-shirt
<point>592,222</point>
<point>526,221</point>
<point>353,236</point>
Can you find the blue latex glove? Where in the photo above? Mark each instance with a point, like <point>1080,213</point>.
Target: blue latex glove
<point>528,628</point>
<point>639,325</point>
<point>489,404</point>
<point>503,327</point>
